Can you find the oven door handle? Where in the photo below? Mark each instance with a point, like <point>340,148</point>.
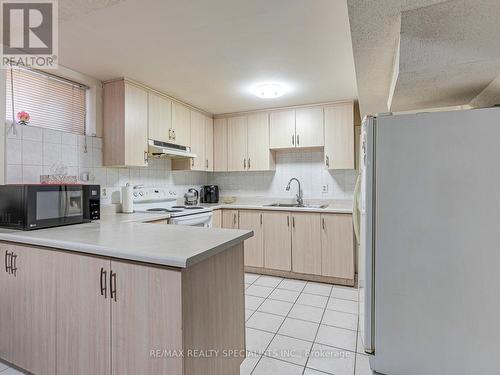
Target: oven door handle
<point>193,220</point>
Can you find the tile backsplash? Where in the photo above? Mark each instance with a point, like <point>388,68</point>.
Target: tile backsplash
<point>307,166</point>
<point>32,151</point>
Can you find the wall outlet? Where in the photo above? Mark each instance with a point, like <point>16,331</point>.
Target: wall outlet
<point>104,193</point>
<point>324,189</point>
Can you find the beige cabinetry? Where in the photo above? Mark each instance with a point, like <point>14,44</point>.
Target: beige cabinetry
<point>217,219</point>
<point>181,130</point>
<point>209,143</point>
<point>220,145</point>
<point>230,219</point>
<point>254,246</point>
<point>65,313</point>
<point>339,136</point>
<point>309,127</point>
<point>237,143</point>
<point>282,129</point>
<point>28,293</point>
<point>160,118</point>
<point>198,141</point>
<point>306,243</point>
<point>83,328</point>
<point>145,315</point>
<point>277,240</point>
<point>337,244</point>
<point>125,141</point>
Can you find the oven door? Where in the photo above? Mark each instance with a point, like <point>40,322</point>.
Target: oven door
<point>53,205</point>
<point>195,220</point>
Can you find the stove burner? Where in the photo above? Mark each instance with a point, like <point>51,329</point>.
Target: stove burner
<point>162,210</point>
<point>193,208</point>
<point>178,207</point>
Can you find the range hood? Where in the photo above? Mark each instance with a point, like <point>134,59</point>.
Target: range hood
<point>169,150</point>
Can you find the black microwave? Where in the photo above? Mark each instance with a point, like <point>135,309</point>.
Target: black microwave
<point>29,207</point>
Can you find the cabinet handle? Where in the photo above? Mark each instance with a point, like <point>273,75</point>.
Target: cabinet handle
<point>112,285</point>
<point>173,132</point>
<point>7,261</point>
<point>206,162</point>
<point>13,264</point>
<point>170,133</point>
<point>145,157</point>
<point>298,140</point>
<point>244,163</point>
<point>287,221</point>
<point>327,161</point>
<point>192,162</point>
<point>293,140</point>
<point>293,222</point>
<point>323,223</point>
<point>104,288</point>
<point>260,219</point>
<point>234,219</point>
<point>248,163</point>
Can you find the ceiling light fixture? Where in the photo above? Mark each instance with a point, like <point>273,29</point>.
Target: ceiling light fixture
<point>269,90</point>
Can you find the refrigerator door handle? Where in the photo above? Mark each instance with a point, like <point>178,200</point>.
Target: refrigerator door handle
<point>355,208</point>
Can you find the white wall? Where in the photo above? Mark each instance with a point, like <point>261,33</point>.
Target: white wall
<point>307,166</point>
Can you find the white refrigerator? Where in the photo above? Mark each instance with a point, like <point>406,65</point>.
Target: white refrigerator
<point>429,256</point>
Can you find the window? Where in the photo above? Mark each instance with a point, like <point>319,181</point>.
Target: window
<point>51,102</point>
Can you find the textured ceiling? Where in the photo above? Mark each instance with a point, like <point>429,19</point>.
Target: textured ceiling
<point>424,54</point>
<point>209,53</point>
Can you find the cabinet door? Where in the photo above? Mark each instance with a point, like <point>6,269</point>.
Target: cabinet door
<point>160,118</point>
<point>339,136</point>
<point>198,141</point>
<point>220,145</point>
<point>277,240</point>
<point>217,219</point>
<point>306,243</point>
<point>259,155</point>
<point>254,246</point>
<point>180,125</point>
<point>309,127</point>
<point>136,126</point>
<point>145,317</point>
<point>282,129</point>
<point>337,242</point>
<point>33,311</point>
<point>83,315</point>
<point>7,331</point>
<point>237,143</point>
<point>230,219</point>
<point>209,144</point>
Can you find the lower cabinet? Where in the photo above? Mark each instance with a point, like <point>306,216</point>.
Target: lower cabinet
<point>277,240</point>
<point>306,243</point>
<point>28,309</point>
<point>337,244</point>
<point>217,219</point>
<point>230,219</point>
<point>83,331</point>
<point>254,246</point>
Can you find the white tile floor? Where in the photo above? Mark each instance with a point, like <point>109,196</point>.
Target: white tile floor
<point>296,327</point>
<point>304,328</point>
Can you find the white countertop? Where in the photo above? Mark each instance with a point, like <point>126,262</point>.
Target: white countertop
<point>168,245</point>
<point>256,203</point>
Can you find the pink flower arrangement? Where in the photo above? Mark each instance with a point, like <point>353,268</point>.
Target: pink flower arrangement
<point>23,118</point>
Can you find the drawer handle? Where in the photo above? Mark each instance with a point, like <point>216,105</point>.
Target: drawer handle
<point>293,142</point>
<point>104,288</point>
<point>298,140</point>
<point>112,285</point>
<point>287,221</point>
<point>13,264</point>
<point>323,223</point>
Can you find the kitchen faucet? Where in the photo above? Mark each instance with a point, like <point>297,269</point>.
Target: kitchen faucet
<point>300,201</point>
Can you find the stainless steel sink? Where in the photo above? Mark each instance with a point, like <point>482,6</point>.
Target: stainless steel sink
<point>296,205</point>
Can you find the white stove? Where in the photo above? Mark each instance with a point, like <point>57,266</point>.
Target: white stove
<point>163,200</point>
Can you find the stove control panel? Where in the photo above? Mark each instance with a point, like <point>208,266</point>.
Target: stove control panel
<point>142,194</point>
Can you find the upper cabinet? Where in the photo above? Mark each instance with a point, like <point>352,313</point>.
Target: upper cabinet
<point>220,145</point>
<point>125,140</point>
<point>209,143</point>
<point>160,118</point>
<point>296,128</point>
<point>248,143</point>
<point>198,141</point>
<point>339,136</point>
<point>181,131</point>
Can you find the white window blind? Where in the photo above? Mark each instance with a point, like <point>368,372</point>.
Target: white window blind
<point>51,102</point>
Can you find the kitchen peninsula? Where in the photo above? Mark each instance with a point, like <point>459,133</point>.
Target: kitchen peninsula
<point>123,298</point>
